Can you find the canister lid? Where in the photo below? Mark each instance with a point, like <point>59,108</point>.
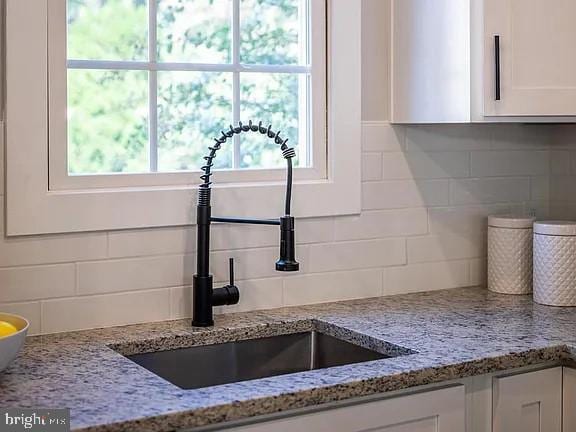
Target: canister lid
<point>555,228</point>
<point>511,221</point>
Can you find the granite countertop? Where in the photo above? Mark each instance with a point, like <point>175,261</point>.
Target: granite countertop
<point>454,333</point>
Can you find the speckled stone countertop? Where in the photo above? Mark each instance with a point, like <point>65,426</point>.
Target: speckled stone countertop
<point>455,333</point>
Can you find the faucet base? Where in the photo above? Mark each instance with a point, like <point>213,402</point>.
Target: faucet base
<point>205,298</point>
<point>202,324</point>
<point>202,301</point>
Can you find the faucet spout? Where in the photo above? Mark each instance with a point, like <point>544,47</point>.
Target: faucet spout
<point>204,296</point>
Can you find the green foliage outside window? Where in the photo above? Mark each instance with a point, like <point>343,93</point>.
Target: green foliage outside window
<point>108,110</point>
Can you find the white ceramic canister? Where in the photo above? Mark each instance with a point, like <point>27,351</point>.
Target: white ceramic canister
<point>510,254</point>
<point>555,263</point>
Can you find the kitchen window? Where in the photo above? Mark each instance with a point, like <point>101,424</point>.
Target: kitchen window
<point>112,104</point>
<point>149,83</point>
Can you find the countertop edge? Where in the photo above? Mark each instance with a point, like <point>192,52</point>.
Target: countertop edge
<point>253,408</point>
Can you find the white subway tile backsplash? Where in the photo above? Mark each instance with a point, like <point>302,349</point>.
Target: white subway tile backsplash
<point>426,277</point>
<point>335,286</point>
<point>426,194</point>
<point>562,194</point>
<point>510,163</point>
<point>371,166</point>
<point>563,210</point>
<point>180,302</point>
<point>538,209</point>
<point>522,136</point>
<point>572,169</point>
<point>53,249</point>
<point>249,264</point>
<point>425,165</point>
<point>539,188</point>
<point>563,137</point>
<point>21,284</point>
<point>382,223</point>
<point>560,162</point>
<point>478,272</point>
<point>452,220</point>
<point>135,274</point>
<point>316,230</point>
<point>29,310</point>
<point>382,137</point>
<point>404,194</point>
<point>160,241</point>
<point>446,247</point>
<point>356,255</point>
<point>489,190</point>
<point>258,295</point>
<point>105,310</point>
<point>447,138</point>
<point>562,188</point>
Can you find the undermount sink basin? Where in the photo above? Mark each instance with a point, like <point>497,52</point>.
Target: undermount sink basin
<point>210,365</point>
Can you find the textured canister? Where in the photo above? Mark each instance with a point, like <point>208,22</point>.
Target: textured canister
<point>510,254</point>
<point>555,263</point>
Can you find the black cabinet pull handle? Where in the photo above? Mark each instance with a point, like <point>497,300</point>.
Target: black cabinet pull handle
<point>497,67</point>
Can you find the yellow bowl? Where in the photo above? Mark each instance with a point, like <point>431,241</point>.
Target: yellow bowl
<point>10,345</point>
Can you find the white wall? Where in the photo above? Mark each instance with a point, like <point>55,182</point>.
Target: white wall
<point>426,192</point>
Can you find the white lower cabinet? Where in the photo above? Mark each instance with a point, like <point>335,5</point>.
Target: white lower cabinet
<point>522,400</point>
<point>529,402</point>
<point>434,411</point>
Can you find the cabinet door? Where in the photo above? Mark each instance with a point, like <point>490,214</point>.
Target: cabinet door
<point>569,400</point>
<point>537,57</point>
<point>434,411</point>
<point>529,402</point>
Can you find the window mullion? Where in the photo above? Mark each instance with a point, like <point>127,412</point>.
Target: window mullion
<point>153,86</point>
<point>236,78</point>
<point>190,67</point>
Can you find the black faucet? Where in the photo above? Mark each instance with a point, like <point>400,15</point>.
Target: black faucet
<point>205,297</point>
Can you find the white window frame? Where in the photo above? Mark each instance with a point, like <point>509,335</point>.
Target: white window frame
<point>32,207</point>
<point>315,66</point>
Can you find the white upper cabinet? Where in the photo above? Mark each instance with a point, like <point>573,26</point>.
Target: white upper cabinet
<point>459,61</point>
<point>537,57</point>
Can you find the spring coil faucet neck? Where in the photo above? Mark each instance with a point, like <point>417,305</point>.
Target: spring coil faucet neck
<point>205,297</point>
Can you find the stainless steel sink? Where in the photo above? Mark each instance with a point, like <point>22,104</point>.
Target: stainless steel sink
<point>210,365</point>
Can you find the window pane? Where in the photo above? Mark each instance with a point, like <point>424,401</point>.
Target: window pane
<point>108,29</point>
<point>271,33</point>
<point>197,31</point>
<point>272,99</point>
<point>193,107</point>
<point>107,121</point>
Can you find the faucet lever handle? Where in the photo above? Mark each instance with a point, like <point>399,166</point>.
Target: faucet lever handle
<point>228,295</point>
<point>231,261</point>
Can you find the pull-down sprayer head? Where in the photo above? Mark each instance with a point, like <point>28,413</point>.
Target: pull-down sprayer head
<point>287,261</point>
